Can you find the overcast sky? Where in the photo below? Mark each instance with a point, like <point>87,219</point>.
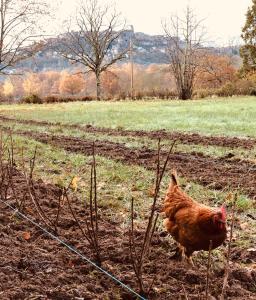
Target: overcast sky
<point>224,18</point>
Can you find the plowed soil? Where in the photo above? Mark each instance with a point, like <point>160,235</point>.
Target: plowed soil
<point>215,173</point>
<point>185,138</point>
<point>37,267</point>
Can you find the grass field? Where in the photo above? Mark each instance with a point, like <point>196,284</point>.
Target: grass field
<point>210,167</point>
<point>222,117</point>
<point>232,116</point>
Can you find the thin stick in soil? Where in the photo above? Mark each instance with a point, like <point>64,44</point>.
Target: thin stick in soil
<point>92,227</point>
<point>56,221</point>
<point>208,270</point>
<point>136,258</point>
<point>185,292</point>
<point>227,267</point>
<point>31,190</point>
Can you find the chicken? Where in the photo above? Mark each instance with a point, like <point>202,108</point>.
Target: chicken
<point>194,226</point>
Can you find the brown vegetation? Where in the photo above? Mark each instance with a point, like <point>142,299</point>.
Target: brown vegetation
<point>217,76</point>
<point>71,84</point>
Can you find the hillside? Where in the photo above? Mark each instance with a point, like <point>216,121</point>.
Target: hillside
<point>148,49</point>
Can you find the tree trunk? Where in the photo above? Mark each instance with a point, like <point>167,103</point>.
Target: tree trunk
<point>98,86</point>
<point>185,94</point>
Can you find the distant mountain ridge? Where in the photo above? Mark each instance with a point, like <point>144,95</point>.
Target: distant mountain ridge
<point>147,49</point>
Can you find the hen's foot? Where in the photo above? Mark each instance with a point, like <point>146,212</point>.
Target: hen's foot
<point>190,261</point>
<point>178,255</point>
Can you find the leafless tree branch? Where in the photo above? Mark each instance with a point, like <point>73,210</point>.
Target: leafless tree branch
<point>97,28</point>
<point>185,40</point>
<point>18,38</point>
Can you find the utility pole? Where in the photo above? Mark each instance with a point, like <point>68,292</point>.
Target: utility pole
<point>131,63</point>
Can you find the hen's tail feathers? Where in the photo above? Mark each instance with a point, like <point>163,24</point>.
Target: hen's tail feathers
<point>174,178</point>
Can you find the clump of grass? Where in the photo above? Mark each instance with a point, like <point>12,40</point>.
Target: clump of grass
<point>243,204</point>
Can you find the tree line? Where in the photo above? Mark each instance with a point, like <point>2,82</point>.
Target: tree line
<point>88,44</point>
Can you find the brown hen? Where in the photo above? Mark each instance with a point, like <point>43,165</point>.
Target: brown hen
<point>191,224</point>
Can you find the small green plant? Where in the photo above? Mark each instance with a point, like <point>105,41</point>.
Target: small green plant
<point>244,204</point>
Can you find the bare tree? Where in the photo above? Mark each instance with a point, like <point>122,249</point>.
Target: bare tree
<point>97,28</point>
<point>184,46</point>
<point>18,24</point>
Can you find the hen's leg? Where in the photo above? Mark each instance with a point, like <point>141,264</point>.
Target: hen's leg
<point>190,261</point>
<point>179,253</point>
<point>189,258</point>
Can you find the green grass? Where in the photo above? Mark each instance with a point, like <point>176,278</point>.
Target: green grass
<point>117,182</point>
<point>224,116</point>
<point>136,142</point>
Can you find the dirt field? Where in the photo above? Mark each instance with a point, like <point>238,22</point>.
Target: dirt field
<point>39,268</point>
<point>222,173</point>
<point>192,138</point>
<point>34,266</point>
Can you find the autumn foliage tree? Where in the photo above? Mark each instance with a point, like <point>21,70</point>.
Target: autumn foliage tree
<point>215,71</point>
<point>152,81</point>
<point>32,84</point>
<point>71,84</point>
<point>50,81</point>
<point>110,83</point>
<point>8,88</point>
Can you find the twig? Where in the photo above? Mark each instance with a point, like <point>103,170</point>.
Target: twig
<point>95,190</point>
<point>208,270</point>
<point>159,177</point>
<point>31,190</point>
<point>10,179</point>
<point>92,227</point>
<point>61,197</point>
<point>133,252</point>
<point>136,258</point>
<point>74,215</point>
<point>94,206</point>
<point>185,292</point>
<point>227,268</point>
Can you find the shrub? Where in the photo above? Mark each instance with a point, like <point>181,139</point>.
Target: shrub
<point>51,99</point>
<point>138,95</point>
<point>56,99</point>
<point>252,91</point>
<point>242,86</point>
<point>203,93</point>
<point>122,95</point>
<point>67,99</point>
<point>155,94</point>
<point>227,90</point>
<point>32,99</point>
<point>87,98</point>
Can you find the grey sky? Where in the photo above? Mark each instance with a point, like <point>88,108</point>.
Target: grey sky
<point>224,18</point>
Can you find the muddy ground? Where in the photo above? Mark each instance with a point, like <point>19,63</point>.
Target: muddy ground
<point>185,138</point>
<point>33,266</point>
<point>223,173</point>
